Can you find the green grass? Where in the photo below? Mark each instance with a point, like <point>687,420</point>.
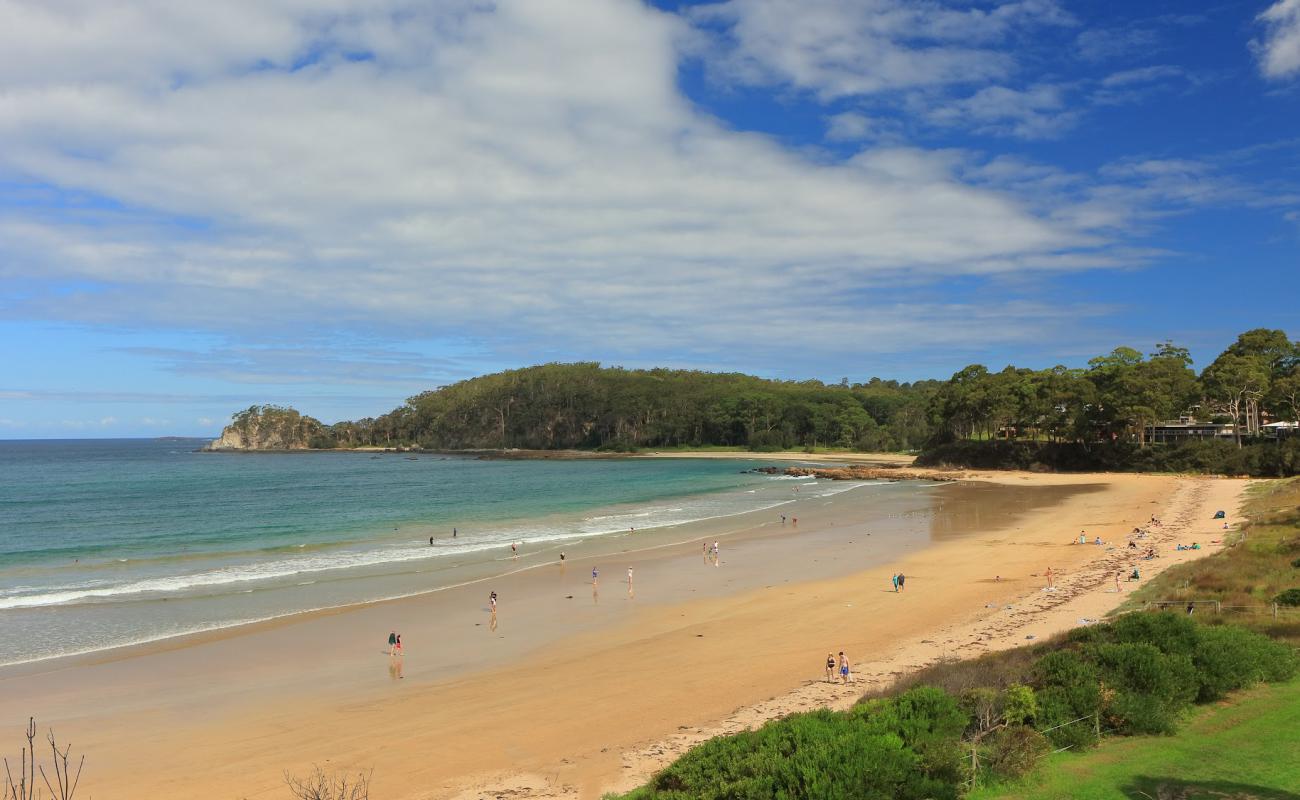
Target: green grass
<point>1245,748</point>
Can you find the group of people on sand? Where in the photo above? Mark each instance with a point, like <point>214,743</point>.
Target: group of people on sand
<point>1083,538</point>
<point>840,667</point>
<point>394,643</point>
<point>897,580</point>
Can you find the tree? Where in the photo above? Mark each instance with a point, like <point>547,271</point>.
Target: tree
<point>1237,381</point>
<point>1285,394</point>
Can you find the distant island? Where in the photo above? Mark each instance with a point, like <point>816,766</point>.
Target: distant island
<point>1238,415</point>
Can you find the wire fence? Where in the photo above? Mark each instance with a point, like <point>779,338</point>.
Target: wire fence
<point>1218,607</point>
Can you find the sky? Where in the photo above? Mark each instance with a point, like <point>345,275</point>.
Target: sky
<point>336,204</point>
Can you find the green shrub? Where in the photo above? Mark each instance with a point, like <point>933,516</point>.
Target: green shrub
<point>1291,597</point>
<point>927,713</point>
<point>1013,751</point>
<point>1019,707</point>
<point>1170,633</point>
<point>815,755</point>
<point>1228,658</point>
<point>1145,689</point>
<point>1069,688</point>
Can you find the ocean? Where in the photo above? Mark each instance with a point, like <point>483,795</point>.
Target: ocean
<point>105,543</point>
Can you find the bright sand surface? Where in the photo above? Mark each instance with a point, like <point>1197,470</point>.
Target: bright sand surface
<point>579,691</point>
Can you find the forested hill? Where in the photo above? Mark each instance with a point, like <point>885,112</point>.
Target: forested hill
<point>587,406</point>
<point>1249,395</point>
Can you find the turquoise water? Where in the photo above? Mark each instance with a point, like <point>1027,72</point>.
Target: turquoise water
<point>111,542</point>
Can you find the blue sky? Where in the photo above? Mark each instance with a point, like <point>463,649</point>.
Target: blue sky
<point>338,204</point>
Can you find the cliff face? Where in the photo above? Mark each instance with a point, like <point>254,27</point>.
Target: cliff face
<point>268,428</point>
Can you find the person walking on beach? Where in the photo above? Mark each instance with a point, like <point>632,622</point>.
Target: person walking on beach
<point>392,643</point>
<point>846,675</point>
<point>398,644</point>
<point>595,575</point>
<point>901,578</point>
<point>893,579</point>
<point>830,668</point>
<point>1051,582</point>
<point>492,601</point>
<point>629,579</point>
<point>1117,588</point>
<point>783,519</point>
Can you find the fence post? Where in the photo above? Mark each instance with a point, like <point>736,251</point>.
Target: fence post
<point>1275,611</point>
<point>1218,606</point>
<point>1096,724</point>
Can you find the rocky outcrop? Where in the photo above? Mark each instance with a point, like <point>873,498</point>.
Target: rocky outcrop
<point>268,428</point>
<point>861,473</point>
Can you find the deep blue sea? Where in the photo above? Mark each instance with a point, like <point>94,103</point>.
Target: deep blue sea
<point>112,542</point>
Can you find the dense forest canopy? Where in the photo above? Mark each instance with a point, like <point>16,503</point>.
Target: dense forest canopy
<point>589,406</point>
<point>1114,399</point>
<point>1123,392</point>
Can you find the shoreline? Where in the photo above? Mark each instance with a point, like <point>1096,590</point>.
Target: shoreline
<point>873,459</point>
<point>1083,596</point>
<point>549,698</point>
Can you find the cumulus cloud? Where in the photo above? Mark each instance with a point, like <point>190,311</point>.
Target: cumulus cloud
<point>524,174</point>
<point>1279,49</point>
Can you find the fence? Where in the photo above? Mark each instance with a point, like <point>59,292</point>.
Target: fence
<point>1218,607</point>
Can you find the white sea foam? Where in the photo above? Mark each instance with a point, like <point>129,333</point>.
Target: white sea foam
<point>239,577</point>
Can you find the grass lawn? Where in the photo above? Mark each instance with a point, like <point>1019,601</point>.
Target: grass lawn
<point>1245,748</point>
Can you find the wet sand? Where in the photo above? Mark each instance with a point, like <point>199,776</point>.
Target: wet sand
<point>571,679</point>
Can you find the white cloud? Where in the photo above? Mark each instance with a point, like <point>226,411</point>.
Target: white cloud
<point>849,127</point>
<point>522,174</point>
<point>1142,75</point>
<point>1105,44</point>
<point>1279,50</point>
<point>1037,112</point>
<point>843,48</point>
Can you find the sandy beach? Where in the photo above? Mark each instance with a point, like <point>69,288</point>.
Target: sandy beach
<point>584,689</point>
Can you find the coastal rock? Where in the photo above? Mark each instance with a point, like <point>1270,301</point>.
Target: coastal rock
<point>268,428</point>
<point>860,473</point>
